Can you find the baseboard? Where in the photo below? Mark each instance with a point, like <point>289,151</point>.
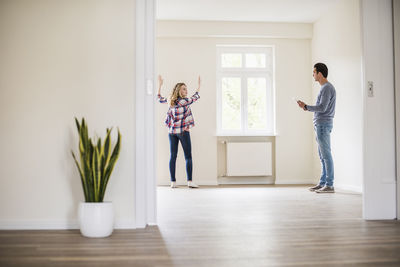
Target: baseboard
<point>125,224</point>
<point>245,180</point>
<point>56,225</point>
<point>181,183</point>
<point>242,180</point>
<point>38,225</point>
<point>304,181</point>
<point>351,188</point>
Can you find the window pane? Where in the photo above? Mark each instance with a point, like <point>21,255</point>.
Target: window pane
<point>231,60</point>
<point>255,61</point>
<point>231,95</point>
<point>257,106</point>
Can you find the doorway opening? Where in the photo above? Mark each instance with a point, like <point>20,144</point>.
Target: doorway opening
<point>195,39</point>
<point>188,45</point>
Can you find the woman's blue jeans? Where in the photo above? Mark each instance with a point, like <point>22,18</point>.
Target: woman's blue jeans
<point>174,139</point>
<point>323,137</point>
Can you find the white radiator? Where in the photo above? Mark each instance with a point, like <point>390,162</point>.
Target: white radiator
<point>249,159</point>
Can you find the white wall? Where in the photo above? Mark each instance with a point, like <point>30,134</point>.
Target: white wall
<point>180,29</point>
<point>396,36</point>
<point>337,43</point>
<point>61,59</point>
<point>184,58</point>
<point>379,113</point>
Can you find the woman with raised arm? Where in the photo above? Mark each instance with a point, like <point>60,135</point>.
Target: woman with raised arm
<point>179,121</point>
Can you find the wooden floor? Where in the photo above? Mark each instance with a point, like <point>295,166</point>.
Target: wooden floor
<point>228,226</point>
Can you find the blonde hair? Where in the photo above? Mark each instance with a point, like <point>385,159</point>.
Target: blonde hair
<point>175,94</point>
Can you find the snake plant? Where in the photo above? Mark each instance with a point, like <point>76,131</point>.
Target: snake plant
<point>96,162</point>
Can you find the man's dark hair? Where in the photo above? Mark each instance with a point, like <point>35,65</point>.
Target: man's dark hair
<point>321,67</point>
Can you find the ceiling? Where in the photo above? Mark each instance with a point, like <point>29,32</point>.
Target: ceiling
<point>293,11</point>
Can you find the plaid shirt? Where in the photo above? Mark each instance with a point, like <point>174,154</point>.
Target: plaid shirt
<point>179,117</point>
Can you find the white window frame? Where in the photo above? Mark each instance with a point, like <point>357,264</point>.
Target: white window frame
<point>244,73</point>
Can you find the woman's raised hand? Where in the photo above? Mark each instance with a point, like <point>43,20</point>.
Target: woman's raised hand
<point>160,80</point>
<point>198,89</point>
<point>160,83</point>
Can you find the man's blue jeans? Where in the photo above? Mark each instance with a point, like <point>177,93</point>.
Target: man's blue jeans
<point>174,139</point>
<point>323,137</point>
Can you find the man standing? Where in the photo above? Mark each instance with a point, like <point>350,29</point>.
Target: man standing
<point>324,111</point>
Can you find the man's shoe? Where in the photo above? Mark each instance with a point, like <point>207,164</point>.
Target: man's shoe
<point>173,185</point>
<point>326,189</point>
<point>192,185</point>
<point>312,189</point>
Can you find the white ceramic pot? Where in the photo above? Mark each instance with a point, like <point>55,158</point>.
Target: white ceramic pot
<point>96,219</point>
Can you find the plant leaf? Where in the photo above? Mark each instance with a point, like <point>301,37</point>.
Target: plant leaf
<point>83,180</point>
<point>96,174</point>
<point>110,166</point>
